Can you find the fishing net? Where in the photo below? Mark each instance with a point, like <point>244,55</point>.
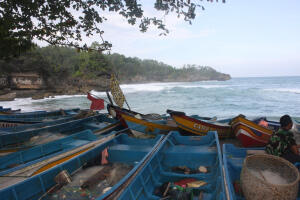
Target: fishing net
<point>91,182</point>
<point>269,177</point>
<point>43,138</point>
<point>116,91</point>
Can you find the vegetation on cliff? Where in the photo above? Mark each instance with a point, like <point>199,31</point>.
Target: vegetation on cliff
<point>61,66</point>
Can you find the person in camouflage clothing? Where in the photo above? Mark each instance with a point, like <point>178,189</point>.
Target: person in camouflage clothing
<point>282,143</point>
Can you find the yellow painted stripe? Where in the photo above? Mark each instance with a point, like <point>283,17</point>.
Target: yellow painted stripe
<point>264,137</point>
<point>57,162</point>
<point>8,150</point>
<point>150,125</point>
<point>251,124</point>
<point>200,129</point>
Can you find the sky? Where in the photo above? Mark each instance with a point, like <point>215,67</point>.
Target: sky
<point>242,38</point>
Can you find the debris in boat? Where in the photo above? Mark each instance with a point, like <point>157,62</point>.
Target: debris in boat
<point>180,193</point>
<point>138,116</point>
<point>34,138</point>
<point>118,172</point>
<point>94,178</point>
<point>196,184</point>
<point>106,189</point>
<point>263,123</point>
<point>186,170</point>
<point>185,189</point>
<point>184,182</point>
<point>202,169</point>
<point>95,188</point>
<point>181,169</point>
<point>167,189</point>
<point>63,178</point>
<point>173,192</point>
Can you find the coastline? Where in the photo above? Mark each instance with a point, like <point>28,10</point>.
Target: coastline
<point>250,96</point>
<point>79,88</point>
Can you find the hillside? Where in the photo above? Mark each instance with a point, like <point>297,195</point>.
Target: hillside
<point>65,71</point>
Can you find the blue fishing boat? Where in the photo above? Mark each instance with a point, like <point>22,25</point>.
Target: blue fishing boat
<point>253,133</point>
<point>4,109</point>
<point>8,111</point>
<point>28,138</point>
<point>20,159</point>
<point>6,127</point>
<point>35,117</point>
<point>121,149</point>
<point>233,158</point>
<point>177,163</point>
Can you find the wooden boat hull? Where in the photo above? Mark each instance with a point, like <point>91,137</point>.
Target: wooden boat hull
<point>192,125</point>
<point>120,149</point>
<point>249,133</point>
<point>147,126</point>
<point>144,123</point>
<point>177,150</point>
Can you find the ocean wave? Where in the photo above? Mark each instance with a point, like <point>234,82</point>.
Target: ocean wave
<point>212,86</point>
<point>26,104</point>
<point>150,87</point>
<point>18,103</point>
<point>100,94</point>
<point>290,90</point>
<point>156,87</point>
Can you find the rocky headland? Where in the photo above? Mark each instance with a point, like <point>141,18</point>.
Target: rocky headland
<point>50,71</point>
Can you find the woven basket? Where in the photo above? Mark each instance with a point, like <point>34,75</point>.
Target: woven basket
<point>255,188</point>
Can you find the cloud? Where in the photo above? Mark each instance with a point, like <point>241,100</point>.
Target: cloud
<point>116,25</point>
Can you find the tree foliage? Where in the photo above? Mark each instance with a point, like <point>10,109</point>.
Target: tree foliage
<point>65,22</point>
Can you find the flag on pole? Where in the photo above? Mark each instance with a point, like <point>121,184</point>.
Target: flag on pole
<point>97,103</point>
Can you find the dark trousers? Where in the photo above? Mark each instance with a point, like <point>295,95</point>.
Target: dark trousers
<point>290,156</point>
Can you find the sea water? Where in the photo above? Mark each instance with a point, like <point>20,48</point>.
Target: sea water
<point>266,96</point>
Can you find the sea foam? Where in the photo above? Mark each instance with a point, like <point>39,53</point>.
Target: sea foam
<point>290,90</point>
